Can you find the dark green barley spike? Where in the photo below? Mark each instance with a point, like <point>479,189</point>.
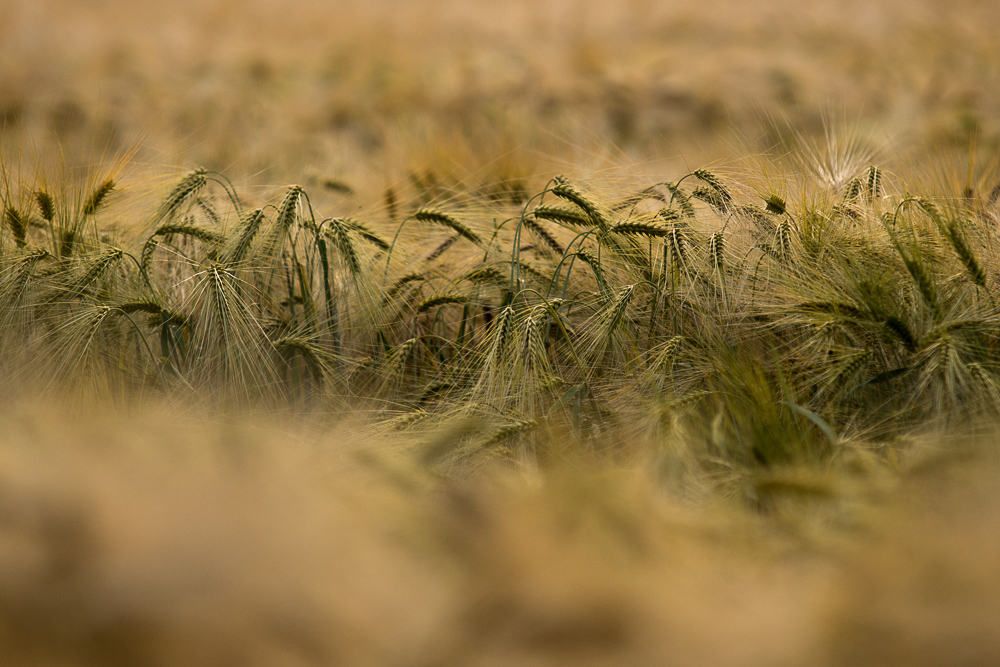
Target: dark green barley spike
<point>46,205</point>
<point>874,183</point>
<point>853,190</point>
<point>18,225</point>
<point>775,204</point>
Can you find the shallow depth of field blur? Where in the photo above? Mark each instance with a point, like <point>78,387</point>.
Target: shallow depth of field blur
<point>482,333</point>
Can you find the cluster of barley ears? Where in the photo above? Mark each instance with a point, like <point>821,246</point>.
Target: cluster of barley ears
<point>763,331</point>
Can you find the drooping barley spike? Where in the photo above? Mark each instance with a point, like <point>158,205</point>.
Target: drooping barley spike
<point>630,201</point>
<point>238,245</point>
<point>488,275</point>
<point>965,254</point>
<point>595,266</point>
<point>395,364</point>
<point>15,288</point>
<point>902,331</point>
<point>506,432</point>
<point>288,209</point>
<point>400,284</point>
<point>406,419</point>
<point>442,247</point>
<point>932,211</point>
<point>543,234</point>
<point>18,224</point>
<point>639,229</point>
<point>853,191</point>
<point>533,271</point>
<point>775,204</point>
<point>342,241</point>
<point>440,218</point>
<point>873,188</point>
<point>98,268</point>
<point>188,187</point>
<point>836,309</point>
<point>501,335</point>
<point>98,196</point>
<point>46,204</point>
<point>676,244</point>
<point>566,190</point>
<point>209,211</point>
<point>618,308</point>
<point>682,199</point>
<point>668,215</point>
<point>714,182</point>
<point>367,234</point>
<point>712,198</point>
<point>784,240</point>
<point>441,300</point>
<point>922,277</point>
<point>850,364</point>
<point>200,233</point>
<point>563,216</point>
<point>217,280</point>
<point>146,258</point>
<point>533,348</point>
<point>391,205</point>
<point>716,250</point>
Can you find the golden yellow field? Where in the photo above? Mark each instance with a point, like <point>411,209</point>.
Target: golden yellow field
<point>590,333</point>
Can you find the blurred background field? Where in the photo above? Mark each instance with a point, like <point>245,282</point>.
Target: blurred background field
<point>726,391</point>
<point>476,93</point>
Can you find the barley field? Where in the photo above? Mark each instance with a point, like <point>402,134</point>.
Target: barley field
<point>566,332</point>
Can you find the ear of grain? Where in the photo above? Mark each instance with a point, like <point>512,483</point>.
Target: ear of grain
<point>775,204</point>
<point>98,197</point>
<point>346,250</point>
<point>543,235</point>
<point>46,205</point>
<point>440,218</point>
<point>18,224</point>
<point>639,229</point>
<point>562,216</point>
<point>715,183</point>
<point>186,188</point>
<point>716,250</point>
<point>237,246</point>
<point>441,300</point>
<point>566,190</point>
<point>873,183</point>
